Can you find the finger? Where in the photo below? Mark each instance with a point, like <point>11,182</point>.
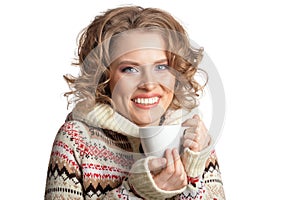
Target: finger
<point>199,129</point>
<point>177,161</point>
<point>194,146</point>
<point>197,117</point>
<point>178,178</point>
<point>157,164</point>
<point>197,138</point>
<point>202,127</point>
<point>189,131</point>
<point>168,171</point>
<point>196,143</point>
<point>192,136</point>
<point>192,121</point>
<point>179,169</point>
<point>170,162</point>
<point>207,140</point>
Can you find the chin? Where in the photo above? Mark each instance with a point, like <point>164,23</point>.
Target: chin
<point>146,117</point>
<point>146,121</point>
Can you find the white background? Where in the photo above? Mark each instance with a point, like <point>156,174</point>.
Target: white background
<point>254,45</point>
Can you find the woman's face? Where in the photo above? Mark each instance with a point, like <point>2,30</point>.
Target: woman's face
<point>141,83</point>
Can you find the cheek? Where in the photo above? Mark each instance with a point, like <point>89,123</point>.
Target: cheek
<point>170,96</point>
<point>122,87</point>
<point>113,80</point>
<point>169,86</point>
<point>168,82</point>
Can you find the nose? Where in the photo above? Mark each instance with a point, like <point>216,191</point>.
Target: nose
<point>147,86</point>
<point>148,81</point>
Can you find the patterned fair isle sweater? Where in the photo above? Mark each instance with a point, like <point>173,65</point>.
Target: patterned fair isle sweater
<point>99,156</point>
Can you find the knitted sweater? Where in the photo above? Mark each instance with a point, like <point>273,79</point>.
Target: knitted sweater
<point>98,156</point>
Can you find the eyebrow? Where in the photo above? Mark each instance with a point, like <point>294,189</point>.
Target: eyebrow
<point>132,62</point>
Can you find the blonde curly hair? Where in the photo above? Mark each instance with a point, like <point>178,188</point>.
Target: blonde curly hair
<point>91,87</point>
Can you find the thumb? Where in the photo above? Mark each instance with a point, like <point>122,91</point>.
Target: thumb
<point>157,164</point>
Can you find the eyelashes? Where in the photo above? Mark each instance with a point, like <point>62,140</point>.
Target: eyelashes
<point>162,67</point>
<point>129,70</point>
<point>136,69</point>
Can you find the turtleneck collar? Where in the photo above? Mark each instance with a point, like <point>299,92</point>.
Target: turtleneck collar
<point>105,117</point>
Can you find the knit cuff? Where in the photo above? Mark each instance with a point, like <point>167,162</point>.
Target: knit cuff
<point>143,184</point>
<point>195,161</point>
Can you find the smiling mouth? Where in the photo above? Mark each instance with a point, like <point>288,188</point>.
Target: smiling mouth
<point>146,101</point>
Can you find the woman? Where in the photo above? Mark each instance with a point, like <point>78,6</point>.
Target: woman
<point>137,69</point>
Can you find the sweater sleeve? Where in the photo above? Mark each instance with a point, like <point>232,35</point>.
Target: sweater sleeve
<point>212,178</point>
<point>204,176</point>
<point>64,175</point>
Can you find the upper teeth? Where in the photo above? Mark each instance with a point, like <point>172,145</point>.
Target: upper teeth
<point>146,100</point>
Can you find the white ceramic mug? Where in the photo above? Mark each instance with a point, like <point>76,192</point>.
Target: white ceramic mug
<point>156,139</point>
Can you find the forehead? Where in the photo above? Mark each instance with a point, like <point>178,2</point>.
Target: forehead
<point>136,41</point>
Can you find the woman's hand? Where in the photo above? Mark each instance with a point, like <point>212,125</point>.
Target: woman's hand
<point>168,173</point>
<point>195,137</point>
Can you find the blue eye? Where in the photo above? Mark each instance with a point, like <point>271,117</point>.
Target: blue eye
<point>161,67</point>
<point>129,70</point>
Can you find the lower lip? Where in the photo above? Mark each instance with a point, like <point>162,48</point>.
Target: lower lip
<point>146,106</point>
